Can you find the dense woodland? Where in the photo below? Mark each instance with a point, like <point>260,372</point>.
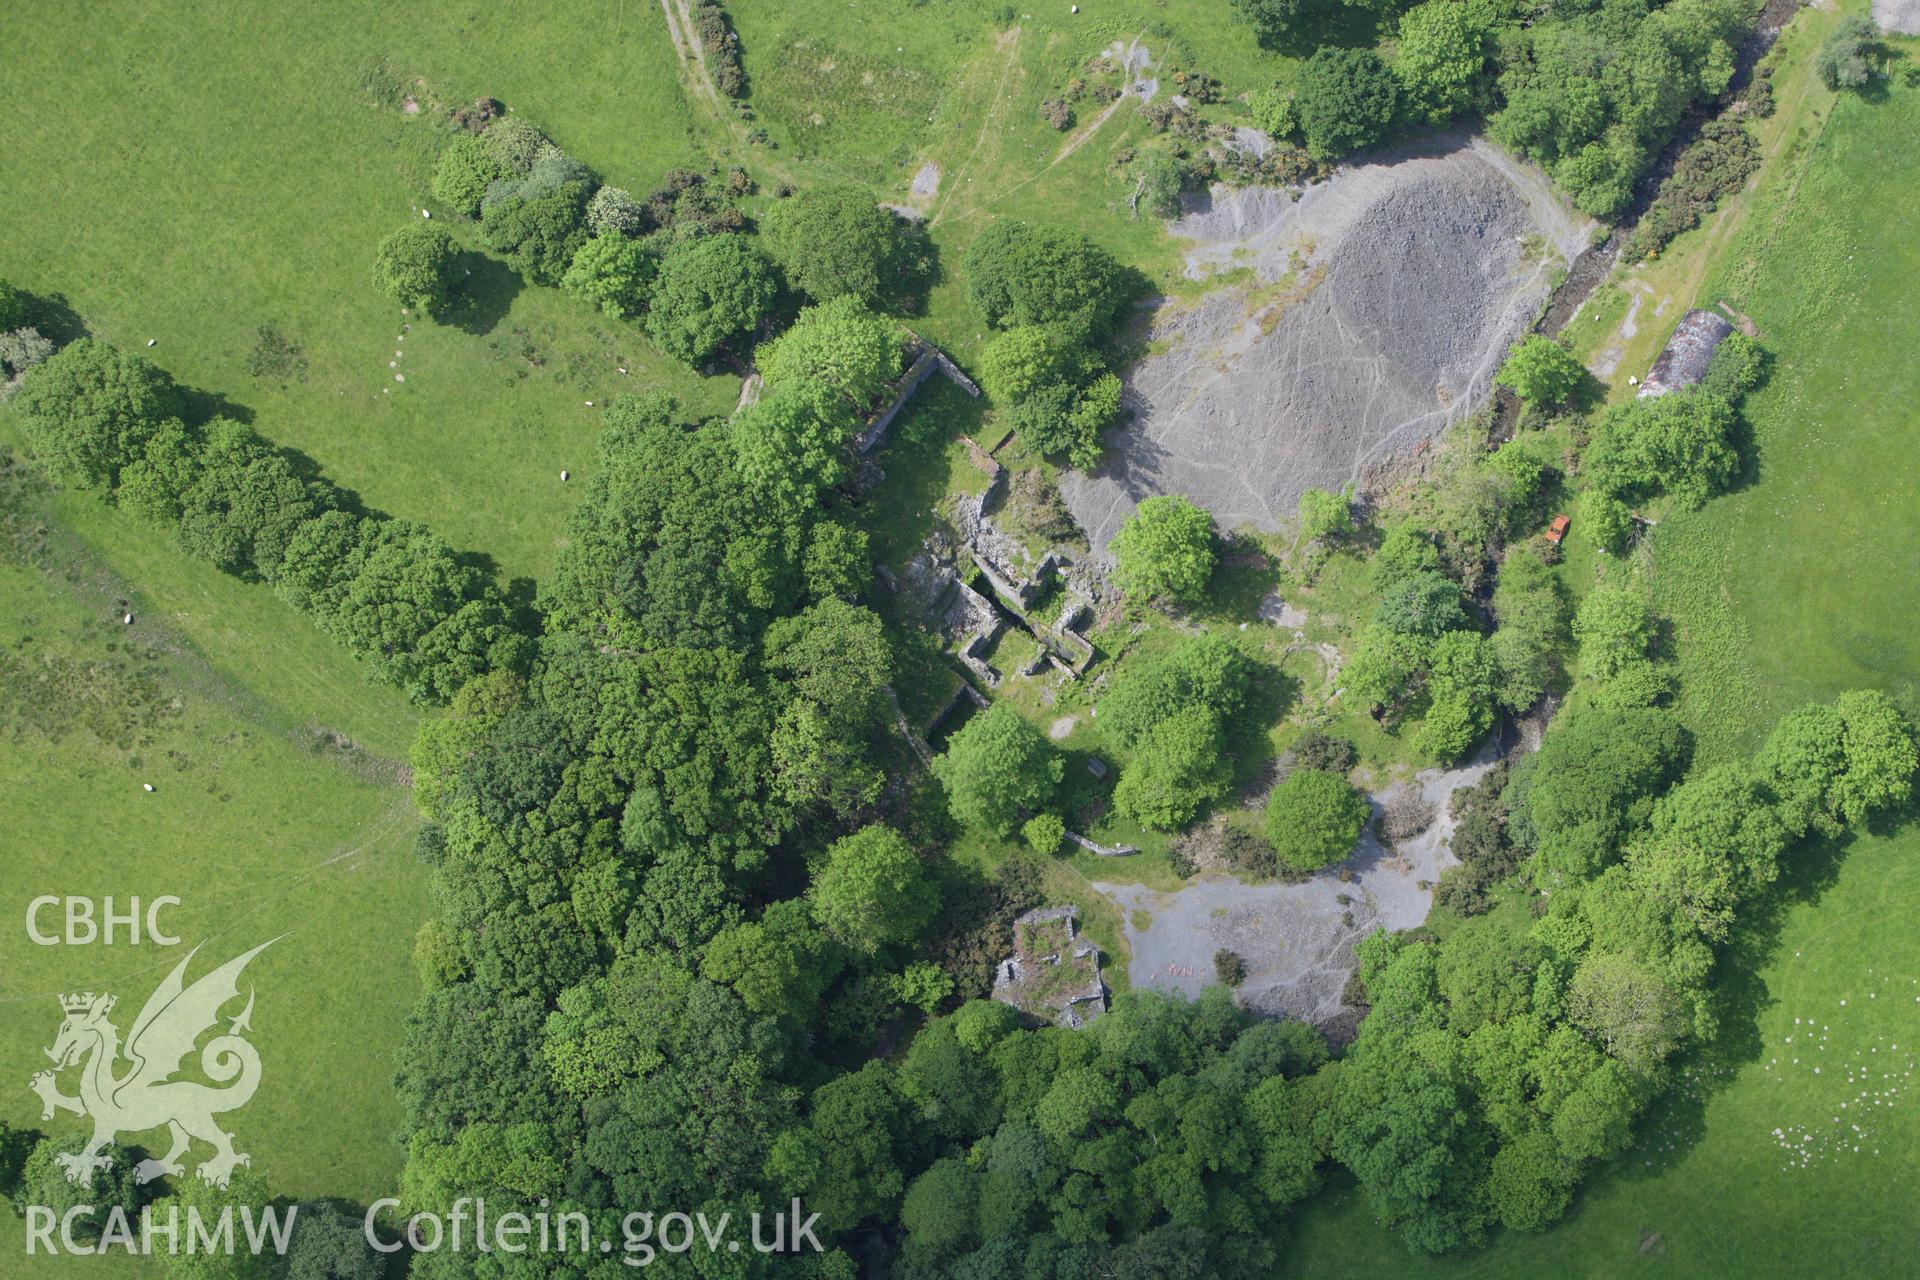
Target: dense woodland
<point>694,939</point>
<point>1591,91</point>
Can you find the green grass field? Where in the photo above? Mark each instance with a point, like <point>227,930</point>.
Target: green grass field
<point>189,173</point>
<point>1793,588</point>
<point>1800,584</point>
<point>192,172</point>
<point>849,95</point>
<point>198,173</point>
<point>261,829</point>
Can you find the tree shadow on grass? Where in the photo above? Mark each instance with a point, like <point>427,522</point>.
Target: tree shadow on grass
<point>920,473</point>
<point>54,317</point>
<point>1752,461</point>
<point>15,1146</point>
<point>1589,396</point>
<point>522,594</point>
<point>355,1216</point>
<point>201,406</point>
<point>1342,26</point>
<point>489,289</point>
<point>481,562</point>
<point>1085,797</point>
<point>323,487</point>
<point>920,271</point>
<point>1271,695</point>
<point>1244,577</point>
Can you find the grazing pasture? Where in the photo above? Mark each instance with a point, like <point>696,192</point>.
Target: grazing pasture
<point>207,171</point>
<point>262,825</point>
<point>207,184</point>
<point>1790,589</point>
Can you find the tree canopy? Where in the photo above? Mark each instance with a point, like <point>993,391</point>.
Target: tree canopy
<point>1540,370</point>
<point>1165,551</point>
<point>1591,96</point>
<point>711,293</point>
<point>1681,443</point>
<point>538,231</point>
<point>1345,100</point>
<point>1059,394</point>
<point>1441,57</point>
<point>612,272</point>
<point>792,442</point>
<point>842,344</point>
<point>89,409</point>
<point>1850,54</point>
<point>1021,273</point>
<point>997,768</point>
<point>1315,818</point>
<point>871,891</point>
<point>836,242</point>
<point>1592,781</point>
<point>416,266</point>
<point>1286,25</point>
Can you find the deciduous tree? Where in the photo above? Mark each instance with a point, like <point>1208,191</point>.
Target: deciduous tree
<point>417,266</point>
<point>1345,100</point>
<point>466,168</point>
<point>1615,627</point>
<point>1540,370</point>
<point>1165,551</point>
<point>996,768</point>
<point>1442,52</point>
<point>1324,514</point>
<point>612,272</point>
<point>1314,818</point>
<point>89,409</point>
<point>836,242</point>
<point>872,890</point>
<point>842,344</point>
<point>1021,273</point>
<point>1591,783</point>
<point>712,292</point>
<point>1180,766</point>
<point>539,232</point>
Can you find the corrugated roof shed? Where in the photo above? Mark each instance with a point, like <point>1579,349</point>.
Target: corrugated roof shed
<point>1683,361</point>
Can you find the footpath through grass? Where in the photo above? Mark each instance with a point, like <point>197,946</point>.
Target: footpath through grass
<point>259,828</point>
<point>1793,588</point>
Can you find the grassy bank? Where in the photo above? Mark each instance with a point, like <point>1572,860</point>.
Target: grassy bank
<point>1789,590</point>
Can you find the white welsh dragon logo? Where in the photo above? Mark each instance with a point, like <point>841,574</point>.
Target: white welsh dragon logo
<point>145,1096</point>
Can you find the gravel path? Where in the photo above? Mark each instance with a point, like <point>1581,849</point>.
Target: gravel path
<point>1297,939</point>
<point>1381,302</point>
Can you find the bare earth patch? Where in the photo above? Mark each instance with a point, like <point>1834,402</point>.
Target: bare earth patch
<point>1297,939</point>
<point>1350,324</point>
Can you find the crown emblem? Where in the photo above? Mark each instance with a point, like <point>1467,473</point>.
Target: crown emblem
<point>80,1003</point>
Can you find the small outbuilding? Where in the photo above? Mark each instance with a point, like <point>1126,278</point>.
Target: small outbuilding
<point>1683,361</point>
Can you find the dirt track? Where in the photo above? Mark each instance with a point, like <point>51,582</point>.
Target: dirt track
<point>1379,305</point>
